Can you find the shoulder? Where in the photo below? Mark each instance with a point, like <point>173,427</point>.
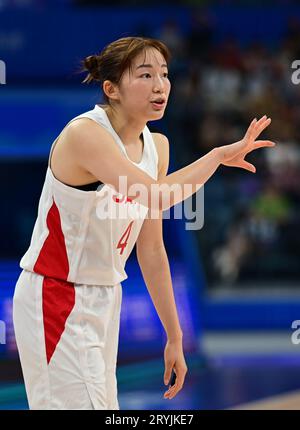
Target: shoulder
<point>85,141</point>
<point>162,146</point>
<point>83,127</point>
<point>85,136</point>
<point>161,141</point>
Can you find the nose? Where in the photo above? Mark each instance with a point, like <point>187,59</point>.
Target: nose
<point>158,85</point>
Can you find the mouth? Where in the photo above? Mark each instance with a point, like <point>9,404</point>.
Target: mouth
<point>158,103</point>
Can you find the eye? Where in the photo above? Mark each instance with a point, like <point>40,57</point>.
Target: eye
<point>166,75</point>
<point>146,74</point>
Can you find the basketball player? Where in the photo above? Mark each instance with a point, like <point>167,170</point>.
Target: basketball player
<point>68,297</point>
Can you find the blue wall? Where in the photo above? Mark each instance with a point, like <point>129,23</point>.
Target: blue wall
<point>50,43</point>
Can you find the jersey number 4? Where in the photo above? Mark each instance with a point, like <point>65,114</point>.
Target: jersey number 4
<point>124,238</point>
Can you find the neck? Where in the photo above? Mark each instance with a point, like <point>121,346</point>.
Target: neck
<point>127,127</point>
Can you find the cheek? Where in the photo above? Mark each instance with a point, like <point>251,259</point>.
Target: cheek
<point>142,85</point>
<point>140,91</point>
<point>168,87</point>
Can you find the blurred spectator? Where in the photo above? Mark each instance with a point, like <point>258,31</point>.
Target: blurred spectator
<point>251,221</point>
<point>200,37</point>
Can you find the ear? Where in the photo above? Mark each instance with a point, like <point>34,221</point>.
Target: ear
<point>111,90</point>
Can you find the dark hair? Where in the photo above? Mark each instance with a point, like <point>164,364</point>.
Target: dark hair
<point>115,58</point>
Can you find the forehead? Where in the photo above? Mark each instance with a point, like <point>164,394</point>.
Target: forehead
<point>149,56</point>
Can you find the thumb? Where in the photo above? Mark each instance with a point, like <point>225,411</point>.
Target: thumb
<point>248,166</point>
<point>167,375</point>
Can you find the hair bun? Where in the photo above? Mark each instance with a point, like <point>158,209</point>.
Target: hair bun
<point>91,64</point>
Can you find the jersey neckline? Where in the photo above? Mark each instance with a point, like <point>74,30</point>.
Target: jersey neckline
<point>120,141</point>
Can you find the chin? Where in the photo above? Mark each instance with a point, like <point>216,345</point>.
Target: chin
<point>156,115</point>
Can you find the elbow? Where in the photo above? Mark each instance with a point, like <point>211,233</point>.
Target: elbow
<point>156,196</point>
<point>149,254</point>
<point>161,197</point>
<point>157,202</point>
<point>147,195</point>
<point>151,197</point>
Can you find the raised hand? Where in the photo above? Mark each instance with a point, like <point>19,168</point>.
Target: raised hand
<point>233,155</point>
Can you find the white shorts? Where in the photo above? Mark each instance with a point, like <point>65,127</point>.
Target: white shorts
<point>67,338</point>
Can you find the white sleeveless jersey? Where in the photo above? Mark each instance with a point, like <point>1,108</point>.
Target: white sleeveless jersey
<point>87,236</point>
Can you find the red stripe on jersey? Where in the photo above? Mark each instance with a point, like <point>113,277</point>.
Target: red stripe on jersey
<point>53,259</point>
<point>58,302</point>
<point>58,294</point>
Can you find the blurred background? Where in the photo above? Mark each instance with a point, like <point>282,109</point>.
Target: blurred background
<point>236,280</point>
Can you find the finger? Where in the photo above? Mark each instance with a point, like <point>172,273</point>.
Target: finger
<point>171,387</point>
<point>255,126</point>
<point>174,390</point>
<point>264,143</point>
<point>251,129</point>
<point>170,392</point>
<point>260,121</point>
<point>167,394</point>
<point>168,371</point>
<point>248,166</point>
<point>260,127</point>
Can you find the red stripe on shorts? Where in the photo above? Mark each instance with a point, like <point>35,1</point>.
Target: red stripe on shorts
<point>58,302</point>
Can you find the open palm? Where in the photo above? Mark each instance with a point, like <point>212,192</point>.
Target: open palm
<point>234,154</point>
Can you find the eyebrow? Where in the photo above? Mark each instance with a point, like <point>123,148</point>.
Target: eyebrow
<point>149,66</point>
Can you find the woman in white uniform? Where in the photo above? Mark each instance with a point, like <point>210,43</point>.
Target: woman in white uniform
<point>67,300</point>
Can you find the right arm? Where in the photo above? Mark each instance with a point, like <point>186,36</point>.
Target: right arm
<point>95,150</point>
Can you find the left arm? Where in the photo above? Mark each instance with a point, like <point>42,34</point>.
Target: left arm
<point>154,264</point>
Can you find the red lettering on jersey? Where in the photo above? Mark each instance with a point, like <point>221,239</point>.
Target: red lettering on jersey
<point>117,200</point>
<point>121,200</point>
<point>124,238</point>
